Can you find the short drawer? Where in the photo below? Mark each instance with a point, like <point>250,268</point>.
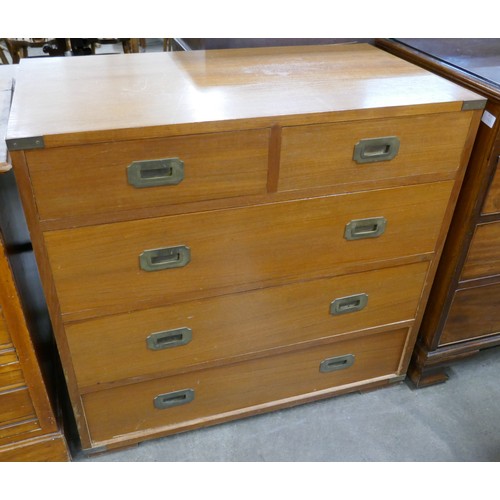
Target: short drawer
<point>492,201</point>
<point>483,258</point>
<point>474,313</point>
<point>99,270</point>
<point>228,391</point>
<point>371,150</point>
<point>178,337</point>
<point>15,405</point>
<point>93,179</point>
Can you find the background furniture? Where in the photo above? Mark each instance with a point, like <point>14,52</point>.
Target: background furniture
<point>463,314</point>
<point>239,43</point>
<point>29,430</point>
<point>216,240</point>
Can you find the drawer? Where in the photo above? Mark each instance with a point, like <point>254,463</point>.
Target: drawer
<point>91,179</point>
<point>11,430</point>
<point>474,313</point>
<point>323,155</point>
<point>492,201</point>
<point>15,405</point>
<point>483,258</point>
<point>97,269</point>
<point>11,378</point>
<point>11,374</point>
<point>228,391</point>
<point>178,337</point>
<point>4,334</point>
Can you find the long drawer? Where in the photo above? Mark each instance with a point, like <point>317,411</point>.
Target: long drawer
<point>372,150</point>
<point>178,337</point>
<point>206,395</point>
<point>474,313</point>
<point>110,177</point>
<point>99,270</point>
<point>483,258</point>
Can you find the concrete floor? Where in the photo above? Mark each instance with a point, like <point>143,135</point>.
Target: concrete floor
<point>458,421</point>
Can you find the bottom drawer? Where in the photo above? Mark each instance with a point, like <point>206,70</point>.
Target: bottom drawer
<point>199,397</point>
<point>474,313</point>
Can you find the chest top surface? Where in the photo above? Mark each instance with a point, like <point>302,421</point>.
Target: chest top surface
<point>108,97</point>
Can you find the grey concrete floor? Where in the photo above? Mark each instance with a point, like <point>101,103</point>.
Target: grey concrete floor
<point>458,421</point>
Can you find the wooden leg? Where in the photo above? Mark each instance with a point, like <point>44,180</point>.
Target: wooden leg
<point>427,377</point>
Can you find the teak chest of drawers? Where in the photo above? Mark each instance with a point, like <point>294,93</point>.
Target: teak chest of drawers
<point>230,232</point>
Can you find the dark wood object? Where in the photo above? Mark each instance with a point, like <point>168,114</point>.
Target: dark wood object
<point>29,429</point>
<point>462,315</point>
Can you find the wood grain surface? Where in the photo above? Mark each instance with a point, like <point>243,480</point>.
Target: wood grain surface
<point>96,269</point>
<point>92,179</point>
<point>483,259</point>
<point>474,313</point>
<point>239,386</point>
<point>492,201</point>
<point>87,99</point>
<point>322,155</point>
<point>239,325</point>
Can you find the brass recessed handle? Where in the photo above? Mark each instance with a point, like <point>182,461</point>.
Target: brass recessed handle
<point>175,398</point>
<point>158,259</point>
<point>352,303</point>
<point>151,173</point>
<point>372,227</point>
<point>377,149</point>
<point>336,363</point>
<point>169,338</point>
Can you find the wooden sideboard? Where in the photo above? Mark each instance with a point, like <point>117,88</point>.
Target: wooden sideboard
<point>29,429</point>
<point>224,233</point>
<point>463,312</point>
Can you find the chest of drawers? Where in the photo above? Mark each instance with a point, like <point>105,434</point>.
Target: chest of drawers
<point>225,233</point>
<point>462,317</point>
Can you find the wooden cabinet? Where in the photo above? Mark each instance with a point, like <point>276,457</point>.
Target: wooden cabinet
<point>462,317</point>
<point>29,430</point>
<point>229,232</point>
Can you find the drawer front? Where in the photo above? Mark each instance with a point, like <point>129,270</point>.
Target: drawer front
<point>483,258</point>
<point>11,374</point>
<point>492,202</point>
<point>232,388</point>
<point>15,405</point>
<point>4,334</point>
<point>474,313</point>
<point>239,324</point>
<point>97,270</point>
<point>11,378</point>
<point>92,179</point>
<point>9,432</point>
<point>323,155</point>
